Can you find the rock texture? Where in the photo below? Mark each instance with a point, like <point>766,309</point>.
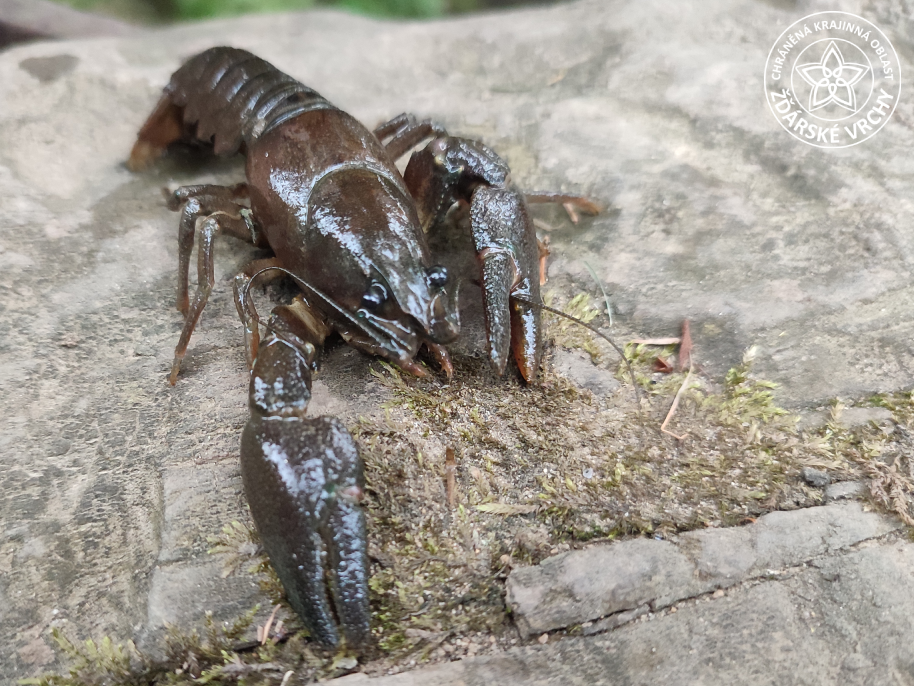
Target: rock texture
<point>847,620</point>
<point>110,481</point>
<point>584,585</point>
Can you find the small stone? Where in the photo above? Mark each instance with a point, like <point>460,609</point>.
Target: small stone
<point>844,489</point>
<point>816,477</point>
<point>719,593</point>
<point>852,417</point>
<point>578,367</point>
<point>542,640</point>
<point>346,663</point>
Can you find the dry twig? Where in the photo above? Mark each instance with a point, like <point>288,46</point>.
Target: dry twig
<point>263,632</point>
<point>669,415</point>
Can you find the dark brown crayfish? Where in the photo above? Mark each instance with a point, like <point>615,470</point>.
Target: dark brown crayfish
<point>324,194</point>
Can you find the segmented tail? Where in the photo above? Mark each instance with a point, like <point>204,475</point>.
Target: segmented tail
<point>225,97</point>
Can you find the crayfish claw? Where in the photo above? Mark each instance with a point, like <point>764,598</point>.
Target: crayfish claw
<point>510,263</point>
<point>303,479</point>
<point>498,276</point>
<point>348,562</point>
<point>297,475</point>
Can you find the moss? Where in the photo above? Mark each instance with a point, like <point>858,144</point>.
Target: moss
<point>104,662</point>
<point>565,333</point>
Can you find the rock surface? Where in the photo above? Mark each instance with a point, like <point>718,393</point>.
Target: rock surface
<point>110,480</point>
<point>845,620</point>
<point>578,367</point>
<point>24,20</point>
<point>845,489</point>
<point>584,585</point>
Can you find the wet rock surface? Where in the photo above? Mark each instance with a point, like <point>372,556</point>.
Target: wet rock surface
<point>111,481</point>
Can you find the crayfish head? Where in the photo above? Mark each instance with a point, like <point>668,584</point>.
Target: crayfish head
<point>387,297</point>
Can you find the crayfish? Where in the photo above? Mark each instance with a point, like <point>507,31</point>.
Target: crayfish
<point>324,194</point>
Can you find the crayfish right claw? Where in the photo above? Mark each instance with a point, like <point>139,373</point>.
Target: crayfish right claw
<point>303,479</point>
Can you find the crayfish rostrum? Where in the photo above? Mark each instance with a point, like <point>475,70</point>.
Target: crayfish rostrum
<point>324,194</point>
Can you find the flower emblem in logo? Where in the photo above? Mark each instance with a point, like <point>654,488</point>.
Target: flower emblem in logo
<point>832,79</point>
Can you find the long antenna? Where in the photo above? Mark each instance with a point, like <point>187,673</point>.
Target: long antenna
<point>315,293</point>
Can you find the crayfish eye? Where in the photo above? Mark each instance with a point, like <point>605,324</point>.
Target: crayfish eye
<point>374,297</point>
<point>437,276</point>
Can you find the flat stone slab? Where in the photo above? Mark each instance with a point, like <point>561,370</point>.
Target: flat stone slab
<point>584,585</point>
<point>845,489</point>
<point>845,619</point>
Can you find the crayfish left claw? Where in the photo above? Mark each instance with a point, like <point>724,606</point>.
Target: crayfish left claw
<point>450,169</point>
<point>506,245</point>
<point>303,479</point>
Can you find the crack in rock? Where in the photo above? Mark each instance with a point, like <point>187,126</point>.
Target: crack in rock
<point>585,585</point>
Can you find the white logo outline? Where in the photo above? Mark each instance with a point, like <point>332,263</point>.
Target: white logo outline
<point>831,79</point>
<point>823,126</point>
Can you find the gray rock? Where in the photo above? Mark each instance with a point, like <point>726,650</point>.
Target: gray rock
<point>781,539</point>
<point>58,447</point>
<point>816,477</point>
<point>849,622</point>
<point>583,585</point>
<point>578,367</point>
<point>852,417</point>
<point>845,489</point>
